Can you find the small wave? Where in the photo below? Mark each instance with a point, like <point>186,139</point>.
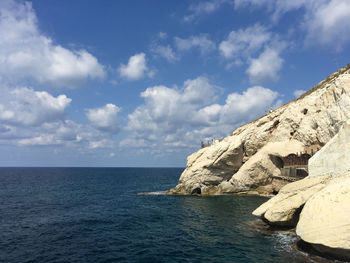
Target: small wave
<point>285,241</point>
<point>154,193</point>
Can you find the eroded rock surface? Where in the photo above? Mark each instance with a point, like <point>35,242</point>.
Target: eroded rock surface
<point>325,219</point>
<point>249,159</point>
<point>337,149</point>
<point>283,208</point>
<point>319,204</point>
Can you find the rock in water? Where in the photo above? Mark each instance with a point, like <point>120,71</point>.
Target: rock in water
<point>323,198</point>
<point>325,219</point>
<point>284,208</point>
<point>249,160</point>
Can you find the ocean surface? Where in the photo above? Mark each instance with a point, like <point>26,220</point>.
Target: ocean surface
<point>96,215</point>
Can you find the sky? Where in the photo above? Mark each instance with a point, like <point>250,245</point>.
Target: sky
<point>141,83</point>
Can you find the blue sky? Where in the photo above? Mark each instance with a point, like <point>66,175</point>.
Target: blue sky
<point>141,83</point>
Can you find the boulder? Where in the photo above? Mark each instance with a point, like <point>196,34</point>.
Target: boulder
<point>325,219</point>
<point>284,208</point>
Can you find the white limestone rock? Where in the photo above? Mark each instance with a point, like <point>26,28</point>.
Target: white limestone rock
<point>325,219</point>
<point>283,208</point>
<point>323,162</point>
<point>245,162</point>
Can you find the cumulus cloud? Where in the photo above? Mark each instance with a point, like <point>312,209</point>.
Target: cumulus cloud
<point>257,47</point>
<point>26,107</point>
<point>37,118</point>
<point>329,23</point>
<point>136,67</point>
<point>265,67</point>
<point>245,42</point>
<point>201,41</point>
<point>27,53</point>
<point>180,118</point>
<point>29,117</point>
<point>104,118</point>
<point>60,132</point>
<point>169,107</point>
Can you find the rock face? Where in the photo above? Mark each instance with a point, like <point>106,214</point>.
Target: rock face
<point>322,197</point>
<point>325,218</point>
<point>284,208</point>
<point>336,149</point>
<point>250,159</point>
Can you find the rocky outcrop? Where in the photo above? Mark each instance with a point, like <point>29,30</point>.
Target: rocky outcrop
<point>336,149</point>
<point>319,204</point>
<point>325,219</point>
<point>284,208</point>
<point>249,160</point>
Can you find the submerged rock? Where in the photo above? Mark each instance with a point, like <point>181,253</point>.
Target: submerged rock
<point>249,160</point>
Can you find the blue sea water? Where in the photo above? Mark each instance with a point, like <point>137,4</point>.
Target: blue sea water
<point>96,215</point>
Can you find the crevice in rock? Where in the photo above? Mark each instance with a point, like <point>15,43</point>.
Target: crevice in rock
<point>277,161</point>
<point>196,191</point>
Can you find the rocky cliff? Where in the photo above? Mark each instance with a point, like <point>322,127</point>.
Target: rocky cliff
<point>250,161</point>
<point>319,204</point>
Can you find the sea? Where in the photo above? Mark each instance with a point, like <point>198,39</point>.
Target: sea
<point>98,215</point>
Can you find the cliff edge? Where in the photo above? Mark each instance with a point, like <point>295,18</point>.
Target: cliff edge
<point>250,160</point>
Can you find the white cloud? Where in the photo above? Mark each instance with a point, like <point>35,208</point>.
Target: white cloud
<point>37,118</point>
<point>165,51</point>
<point>270,5</point>
<point>44,139</point>
<point>245,42</point>
<point>204,7</point>
<point>104,118</point>
<point>171,106</point>
<point>104,143</point>
<point>162,35</point>
<point>26,107</point>
<point>297,93</point>
<point>136,67</point>
<point>265,67</point>
<point>277,7</point>
<point>201,41</point>
<point>329,23</point>
<point>323,21</point>
<point>27,53</point>
<point>82,138</point>
<point>243,45</point>
<point>180,118</point>
<point>60,132</point>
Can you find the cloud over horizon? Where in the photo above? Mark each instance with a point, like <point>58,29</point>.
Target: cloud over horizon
<point>180,118</point>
